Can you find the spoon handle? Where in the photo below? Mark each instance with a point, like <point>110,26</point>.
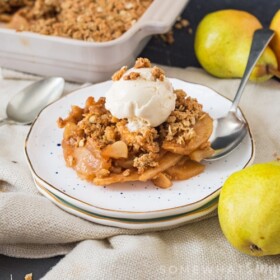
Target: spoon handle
<point>261,39</point>
<point>5,121</point>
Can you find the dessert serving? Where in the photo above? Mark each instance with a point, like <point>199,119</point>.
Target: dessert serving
<point>142,130</point>
<point>87,20</point>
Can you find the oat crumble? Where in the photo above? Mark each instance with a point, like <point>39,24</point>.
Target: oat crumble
<point>96,123</point>
<point>180,24</point>
<point>132,76</point>
<point>28,276</point>
<point>102,149</point>
<point>117,76</point>
<point>179,125</point>
<point>157,73</point>
<point>142,63</point>
<point>89,20</point>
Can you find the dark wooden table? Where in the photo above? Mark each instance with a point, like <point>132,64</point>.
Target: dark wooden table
<point>180,54</point>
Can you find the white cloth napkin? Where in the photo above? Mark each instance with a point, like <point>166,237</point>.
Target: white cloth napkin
<point>32,227</point>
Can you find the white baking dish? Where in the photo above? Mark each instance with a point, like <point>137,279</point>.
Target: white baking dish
<point>82,61</point>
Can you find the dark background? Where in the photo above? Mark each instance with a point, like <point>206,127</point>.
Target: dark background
<point>180,54</point>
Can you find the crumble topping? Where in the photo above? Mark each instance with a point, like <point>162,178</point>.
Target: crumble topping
<point>168,37</point>
<point>99,146</point>
<point>179,125</point>
<point>9,6</point>
<point>126,172</point>
<point>180,24</point>
<point>142,63</point>
<point>28,276</point>
<point>89,20</point>
<point>132,76</point>
<point>144,161</point>
<point>117,76</point>
<point>157,73</point>
<point>95,123</point>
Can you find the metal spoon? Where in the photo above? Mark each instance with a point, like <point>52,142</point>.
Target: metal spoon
<point>25,106</point>
<point>230,130</point>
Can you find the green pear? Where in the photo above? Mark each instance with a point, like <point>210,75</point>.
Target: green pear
<point>222,44</point>
<point>275,42</point>
<point>249,209</point>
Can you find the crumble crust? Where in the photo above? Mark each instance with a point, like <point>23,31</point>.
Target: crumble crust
<point>179,125</point>
<point>96,123</point>
<point>89,20</point>
<point>28,276</point>
<point>142,63</point>
<point>9,6</point>
<point>117,76</point>
<point>132,76</point>
<point>157,73</point>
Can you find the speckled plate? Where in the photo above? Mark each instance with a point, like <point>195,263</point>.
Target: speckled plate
<point>159,223</point>
<point>136,200</point>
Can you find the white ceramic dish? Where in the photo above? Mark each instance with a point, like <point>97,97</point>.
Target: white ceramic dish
<point>134,200</point>
<point>128,223</point>
<point>81,61</point>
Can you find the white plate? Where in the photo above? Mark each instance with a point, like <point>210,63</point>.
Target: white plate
<point>159,223</point>
<point>135,200</point>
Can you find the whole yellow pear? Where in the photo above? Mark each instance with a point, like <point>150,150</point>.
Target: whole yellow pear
<point>222,45</point>
<point>249,209</point>
<point>275,42</point>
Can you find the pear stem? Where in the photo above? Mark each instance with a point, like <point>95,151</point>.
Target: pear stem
<point>273,71</point>
<point>254,248</point>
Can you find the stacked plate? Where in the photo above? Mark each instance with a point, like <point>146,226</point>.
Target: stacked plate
<point>134,205</point>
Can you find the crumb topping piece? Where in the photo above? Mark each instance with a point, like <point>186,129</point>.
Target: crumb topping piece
<point>158,73</point>
<point>142,63</point>
<point>132,76</point>
<point>28,276</point>
<point>117,75</point>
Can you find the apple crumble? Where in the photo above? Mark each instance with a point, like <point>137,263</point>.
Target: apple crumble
<point>89,20</point>
<point>102,149</point>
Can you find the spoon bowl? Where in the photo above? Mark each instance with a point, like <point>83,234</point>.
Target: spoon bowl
<point>25,106</point>
<point>230,130</point>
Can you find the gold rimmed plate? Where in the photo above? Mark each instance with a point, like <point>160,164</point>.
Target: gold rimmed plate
<point>135,200</point>
<point>159,223</point>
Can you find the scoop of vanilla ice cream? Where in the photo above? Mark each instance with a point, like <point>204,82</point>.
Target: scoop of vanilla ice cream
<point>145,101</point>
